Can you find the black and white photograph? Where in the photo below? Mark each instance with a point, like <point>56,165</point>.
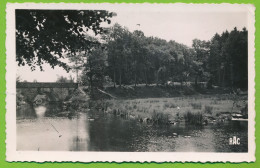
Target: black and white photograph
<point>135,82</point>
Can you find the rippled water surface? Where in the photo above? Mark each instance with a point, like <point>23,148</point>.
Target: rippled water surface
<point>91,132</point>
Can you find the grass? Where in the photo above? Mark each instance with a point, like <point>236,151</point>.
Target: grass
<point>193,118</point>
<point>208,109</point>
<point>159,117</point>
<point>168,105</point>
<point>196,105</point>
<point>163,110</point>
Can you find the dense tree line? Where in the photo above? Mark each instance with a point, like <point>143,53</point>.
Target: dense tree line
<point>131,58</point>
<point>228,59</point>
<point>121,57</point>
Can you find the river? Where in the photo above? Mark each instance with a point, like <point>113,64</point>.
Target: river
<point>37,131</point>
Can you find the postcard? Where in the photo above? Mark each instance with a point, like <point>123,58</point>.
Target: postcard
<point>130,82</point>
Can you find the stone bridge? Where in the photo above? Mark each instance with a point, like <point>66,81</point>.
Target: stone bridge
<point>31,92</point>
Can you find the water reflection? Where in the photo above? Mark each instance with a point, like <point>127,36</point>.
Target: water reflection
<point>40,111</point>
<point>95,131</point>
<point>80,139</point>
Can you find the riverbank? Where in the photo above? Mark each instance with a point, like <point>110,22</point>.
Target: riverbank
<point>197,109</point>
<point>160,91</point>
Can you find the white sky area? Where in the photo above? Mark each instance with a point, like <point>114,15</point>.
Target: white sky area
<point>181,25</point>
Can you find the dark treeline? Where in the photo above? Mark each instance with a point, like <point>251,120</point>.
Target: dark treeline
<point>121,57</point>
<point>228,59</point>
<point>130,58</point>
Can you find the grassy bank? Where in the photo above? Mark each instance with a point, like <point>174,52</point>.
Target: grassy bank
<point>160,91</point>
<point>195,109</point>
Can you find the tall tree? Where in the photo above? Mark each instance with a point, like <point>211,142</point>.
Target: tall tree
<point>215,60</point>
<point>118,48</point>
<point>93,73</point>
<point>200,65</point>
<point>236,49</point>
<point>228,59</point>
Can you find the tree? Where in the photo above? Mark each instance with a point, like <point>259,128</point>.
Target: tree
<point>118,48</point>
<point>228,59</point>
<point>131,58</point>
<point>200,63</point>
<point>80,55</point>
<point>134,58</point>
<point>43,36</point>
<point>138,54</point>
<point>236,50</point>
<point>158,59</point>
<point>62,79</point>
<point>93,73</point>
<point>215,60</point>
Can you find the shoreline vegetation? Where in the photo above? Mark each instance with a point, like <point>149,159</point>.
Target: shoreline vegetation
<point>160,106</point>
<point>153,104</point>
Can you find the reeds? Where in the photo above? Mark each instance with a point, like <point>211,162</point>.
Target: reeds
<point>208,109</point>
<point>196,105</point>
<point>193,118</point>
<point>159,118</point>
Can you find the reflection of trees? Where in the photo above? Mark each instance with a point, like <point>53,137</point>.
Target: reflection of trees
<point>80,134</point>
<point>25,112</point>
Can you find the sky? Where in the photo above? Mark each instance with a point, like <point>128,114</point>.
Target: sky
<point>181,24</point>
<point>182,27</point>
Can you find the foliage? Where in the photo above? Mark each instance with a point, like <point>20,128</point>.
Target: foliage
<point>93,73</point>
<point>133,58</point>
<point>228,59</point>
<point>200,62</point>
<point>124,57</point>
<point>62,79</point>
<point>45,36</point>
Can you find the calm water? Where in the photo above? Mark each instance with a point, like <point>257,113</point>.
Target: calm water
<point>38,129</point>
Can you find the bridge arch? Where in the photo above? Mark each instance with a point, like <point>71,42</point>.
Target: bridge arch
<point>40,92</point>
